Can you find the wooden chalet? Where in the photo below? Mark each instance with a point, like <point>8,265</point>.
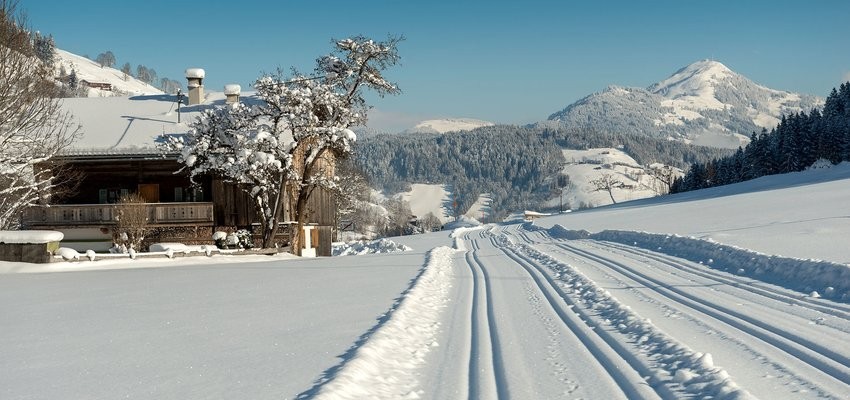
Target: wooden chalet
<point>97,85</point>
<point>117,155</point>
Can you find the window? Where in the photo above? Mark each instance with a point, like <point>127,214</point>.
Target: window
<point>188,194</point>
<point>111,195</point>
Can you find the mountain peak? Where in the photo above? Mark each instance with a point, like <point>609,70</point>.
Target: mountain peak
<point>708,65</point>
<point>704,103</point>
<point>694,78</point>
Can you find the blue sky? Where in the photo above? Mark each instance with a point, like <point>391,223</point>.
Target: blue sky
<point>506,62</point>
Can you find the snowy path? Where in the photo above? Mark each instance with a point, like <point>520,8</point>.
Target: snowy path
<point>510,335</point>
<point>537,317</point>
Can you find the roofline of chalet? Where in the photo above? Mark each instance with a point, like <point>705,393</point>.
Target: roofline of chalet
<point>113,157</point>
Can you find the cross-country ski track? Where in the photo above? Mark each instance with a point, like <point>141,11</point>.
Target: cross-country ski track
<point>531,316</point>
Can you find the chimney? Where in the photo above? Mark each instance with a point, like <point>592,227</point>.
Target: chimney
<point>195,85</point>
<point>231,91</point>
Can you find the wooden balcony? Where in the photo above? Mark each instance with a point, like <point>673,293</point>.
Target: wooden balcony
<point>159,214</point>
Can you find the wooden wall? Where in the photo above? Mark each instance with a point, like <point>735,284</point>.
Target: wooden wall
<point>233,206</point>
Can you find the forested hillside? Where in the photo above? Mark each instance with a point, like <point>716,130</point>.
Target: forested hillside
<point>514,164</point>
<point>795,144</point>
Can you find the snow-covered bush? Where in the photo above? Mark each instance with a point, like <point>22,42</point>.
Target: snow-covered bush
<point>375,246</point>
<point>241,239</point>
<point>220,239</point>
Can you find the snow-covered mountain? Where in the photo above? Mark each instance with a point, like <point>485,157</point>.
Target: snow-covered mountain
<point>90,71</point>
<point>704,103</point>
<point>448,125</point>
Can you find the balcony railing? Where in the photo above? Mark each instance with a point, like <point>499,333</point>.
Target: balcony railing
<point>104,214</point>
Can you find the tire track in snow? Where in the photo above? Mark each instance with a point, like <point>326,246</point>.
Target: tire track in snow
<point>813,354</point>
<point>839,310</point>
<point>745,349</point>
<point>551,342</point>
<point>618,362</point>
<point>672,369</point>
<point>486,373</point>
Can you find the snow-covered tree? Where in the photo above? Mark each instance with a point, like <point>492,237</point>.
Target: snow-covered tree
<point>33,127</point>
<point>127,69</point>
<point>169,86</point>
<point>399,217</point>
<point>106,59</point>
<point>284,149</point>
<point>145,74</point>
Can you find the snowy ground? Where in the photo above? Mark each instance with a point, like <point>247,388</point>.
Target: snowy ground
<point>600,304</point>
<point>91,71</point>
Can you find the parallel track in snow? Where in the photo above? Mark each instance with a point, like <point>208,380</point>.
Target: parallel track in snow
<point>828,361</point>
<point>618,361</point>
<point>486,373</point>
<point>839,310</point>
<point>823,363</point>
<point>491,375</point>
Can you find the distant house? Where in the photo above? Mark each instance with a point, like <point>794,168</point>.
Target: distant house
<point>117,155</point>
<point>97,85</point>
<point>532,215</point>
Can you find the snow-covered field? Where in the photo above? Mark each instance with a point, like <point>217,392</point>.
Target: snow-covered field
<point>584,166</point>
<point>680,297</point>
<point>428,198</point>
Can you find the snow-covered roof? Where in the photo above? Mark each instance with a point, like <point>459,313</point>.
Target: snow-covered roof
<point>131,125</point>
<point>195,73</point>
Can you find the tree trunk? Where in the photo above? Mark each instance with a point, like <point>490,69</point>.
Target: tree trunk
<point>300,219</point>
<point>611,194</point>
<point>269,232</point>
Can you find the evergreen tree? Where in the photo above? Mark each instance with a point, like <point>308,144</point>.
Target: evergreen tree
<point>45,49</point>
<point>73,82</point>
<point>796,143</point>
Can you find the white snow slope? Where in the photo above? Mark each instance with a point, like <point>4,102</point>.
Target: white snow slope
<point>91,71</point>
<point>584,166</point>
<point>429,198</point>
<point>448,125</point>
<point>607,303</point>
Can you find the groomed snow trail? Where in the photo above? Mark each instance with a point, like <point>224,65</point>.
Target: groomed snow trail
<point>514,313</point>
<point>510,334</point>
<point>771,341</point>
